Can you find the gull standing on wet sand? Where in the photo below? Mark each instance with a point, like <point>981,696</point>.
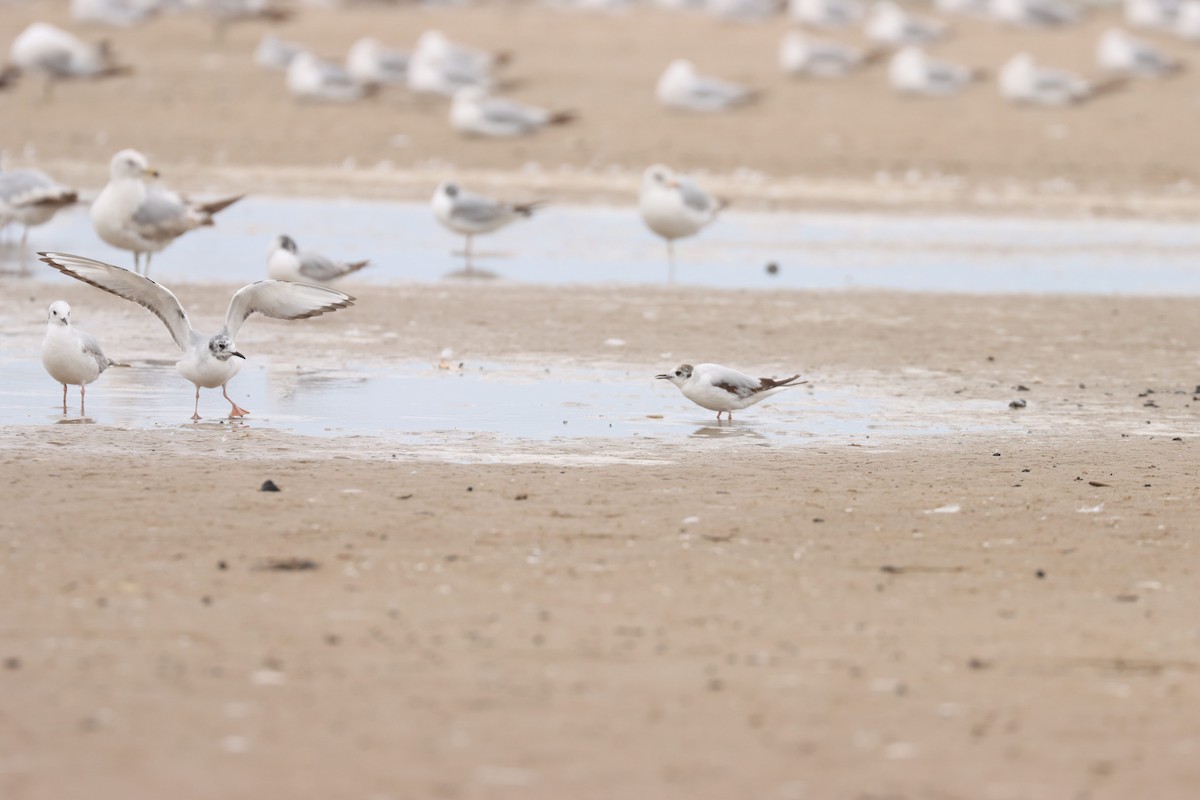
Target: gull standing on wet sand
<point>208,361</point>
<point>475,113</point>
<point>722,389</point>
<point>133,214</point>
<point>681,87</point>
<point>287,262</point>
<point>30,197</point>
<point>674,207</point>
<point>72,357</point>
<point>473,214</point>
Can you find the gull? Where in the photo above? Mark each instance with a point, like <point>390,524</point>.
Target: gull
<point>31,197</point>
<point>207,360</point>
<point>117,13</point>
<point>722,389</point>
<point>473,214</point>
<point>826,13</point>
<point>1159,15</point>
<point>72,357</point>
<point>133,214</point>
<point>224,13</point>
<point>681,87</point>
<point>674,207</point>
<point>1117,51</point>
<point>890,24</point>
<point>475,113</point>
<point>275,53</point>
<point>287,262</point>
<point>743,10</point>
<point>1187,25</point>
<point>913,72</point>
<point>967,8</point>
<point>1034,13</point>
<point>312,78</point>
<point>801,54</point>
<point>1023,81</point>
<point>56,55</point>
<point>440,66</point>
<point>372,64</point>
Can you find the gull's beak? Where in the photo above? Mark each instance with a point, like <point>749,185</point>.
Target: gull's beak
<point>239,355</point>
<point>662,377</point>
<point>151,172</point>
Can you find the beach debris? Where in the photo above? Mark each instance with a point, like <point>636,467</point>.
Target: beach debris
<point>1018,403</point>
<point>289,564</point>
<point>952,508</point>
<point>773,269</point>
<point>1092,509</point>
<point>1096,483</point>
<point>269,486</point>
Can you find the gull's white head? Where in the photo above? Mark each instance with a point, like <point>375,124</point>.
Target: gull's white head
<point>1017,73</point>
<point>223,348</point>
<point>59,313</point>
<point>449,189</point>
<point>659,176</point>
<point>432,43</point>
<point>679,69</point>
<point>679,376</point>
<point>304,61</point>
<point>909,61</point>
<point>130,164</point>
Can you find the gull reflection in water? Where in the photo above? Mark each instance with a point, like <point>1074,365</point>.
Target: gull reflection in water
<point>729,431</point>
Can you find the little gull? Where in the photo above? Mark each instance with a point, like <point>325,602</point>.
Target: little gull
<point>208,361</point>
<point>475,113</point>
<point>72,357</point>
<point>680,86</point>
<point>287,262</point>
<point>473,214</point>
<point>722,389</point>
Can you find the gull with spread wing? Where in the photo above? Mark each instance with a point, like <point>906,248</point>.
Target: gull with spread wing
<point>723,389</point>
<point>208,361</point>
<point>133,214</point>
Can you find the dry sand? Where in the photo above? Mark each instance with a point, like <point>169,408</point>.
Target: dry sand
<point>817,632</point>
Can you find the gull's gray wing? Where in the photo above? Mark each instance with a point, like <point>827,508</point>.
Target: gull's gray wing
<point>92,348</point>
<point>694,196</point>
<point>507,112</point>
<point>322,268</point>
<point>162,216</point>
<point>31,187</point>
<point>282,300</point>
<point>736,383</point>
<point>476,208</point>
<point>155,298</point>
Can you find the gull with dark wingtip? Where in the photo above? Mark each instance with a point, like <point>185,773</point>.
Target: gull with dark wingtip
<point>722,389</point>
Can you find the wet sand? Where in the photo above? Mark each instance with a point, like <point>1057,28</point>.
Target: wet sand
<point>782,621</point>
<point>714,618</point>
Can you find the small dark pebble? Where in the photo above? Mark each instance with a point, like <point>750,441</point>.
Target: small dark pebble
<point>1041,573</point>
<point>269,486</point>
<point>404,497</point>
<point>1145,486</point>
<point>773,269</point>
<point>1025,470</point>
<point>890,570</point>
<point>470,488</point>
<point>289,564</point>
<point>1126,598</point>
<point>715,685</point>
<point>206,600</point>
<point>1096,483</point>
<point>1017,403</point>
<point>521,496</point>
<point>1022,388</point>
<point>332,638</point>
<point>991,358</point>
<point>818,519</point>
<point>222,565</point>
<point>1177,439</point>
<point>12,663</point>
<point>997,453</point>
<point>978,663</point>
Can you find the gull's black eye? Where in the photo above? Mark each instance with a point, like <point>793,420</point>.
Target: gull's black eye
<point>679,372</point>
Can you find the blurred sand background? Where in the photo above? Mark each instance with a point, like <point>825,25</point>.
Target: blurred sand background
<point>534,626</point>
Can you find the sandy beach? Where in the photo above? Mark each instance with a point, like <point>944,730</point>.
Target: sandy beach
<point>973,601</point>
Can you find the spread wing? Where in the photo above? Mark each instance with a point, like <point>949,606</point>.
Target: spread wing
<point>282,300</point>
<point>158,300</point>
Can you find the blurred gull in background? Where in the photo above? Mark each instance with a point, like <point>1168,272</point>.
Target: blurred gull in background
<point>890,24</point>
<point>30,197</point>
<point>674,207</point>
<point>275,53</point>
<point>681,87</point>
<point>473,214</point>
<point>116,13</point>
<point>826,13</point>
<point>475,113</point>
<point>372,64</point>
<point>1023,81</point>
<point>913,72</point>
<point>314,79</point>
<point>1159,15</point>
<point>440,66</point>
<point>287,262</point>
<point>801,54</point>
<point>1117,51</point>
<point>1034,13</point>
<point>56,55</point>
